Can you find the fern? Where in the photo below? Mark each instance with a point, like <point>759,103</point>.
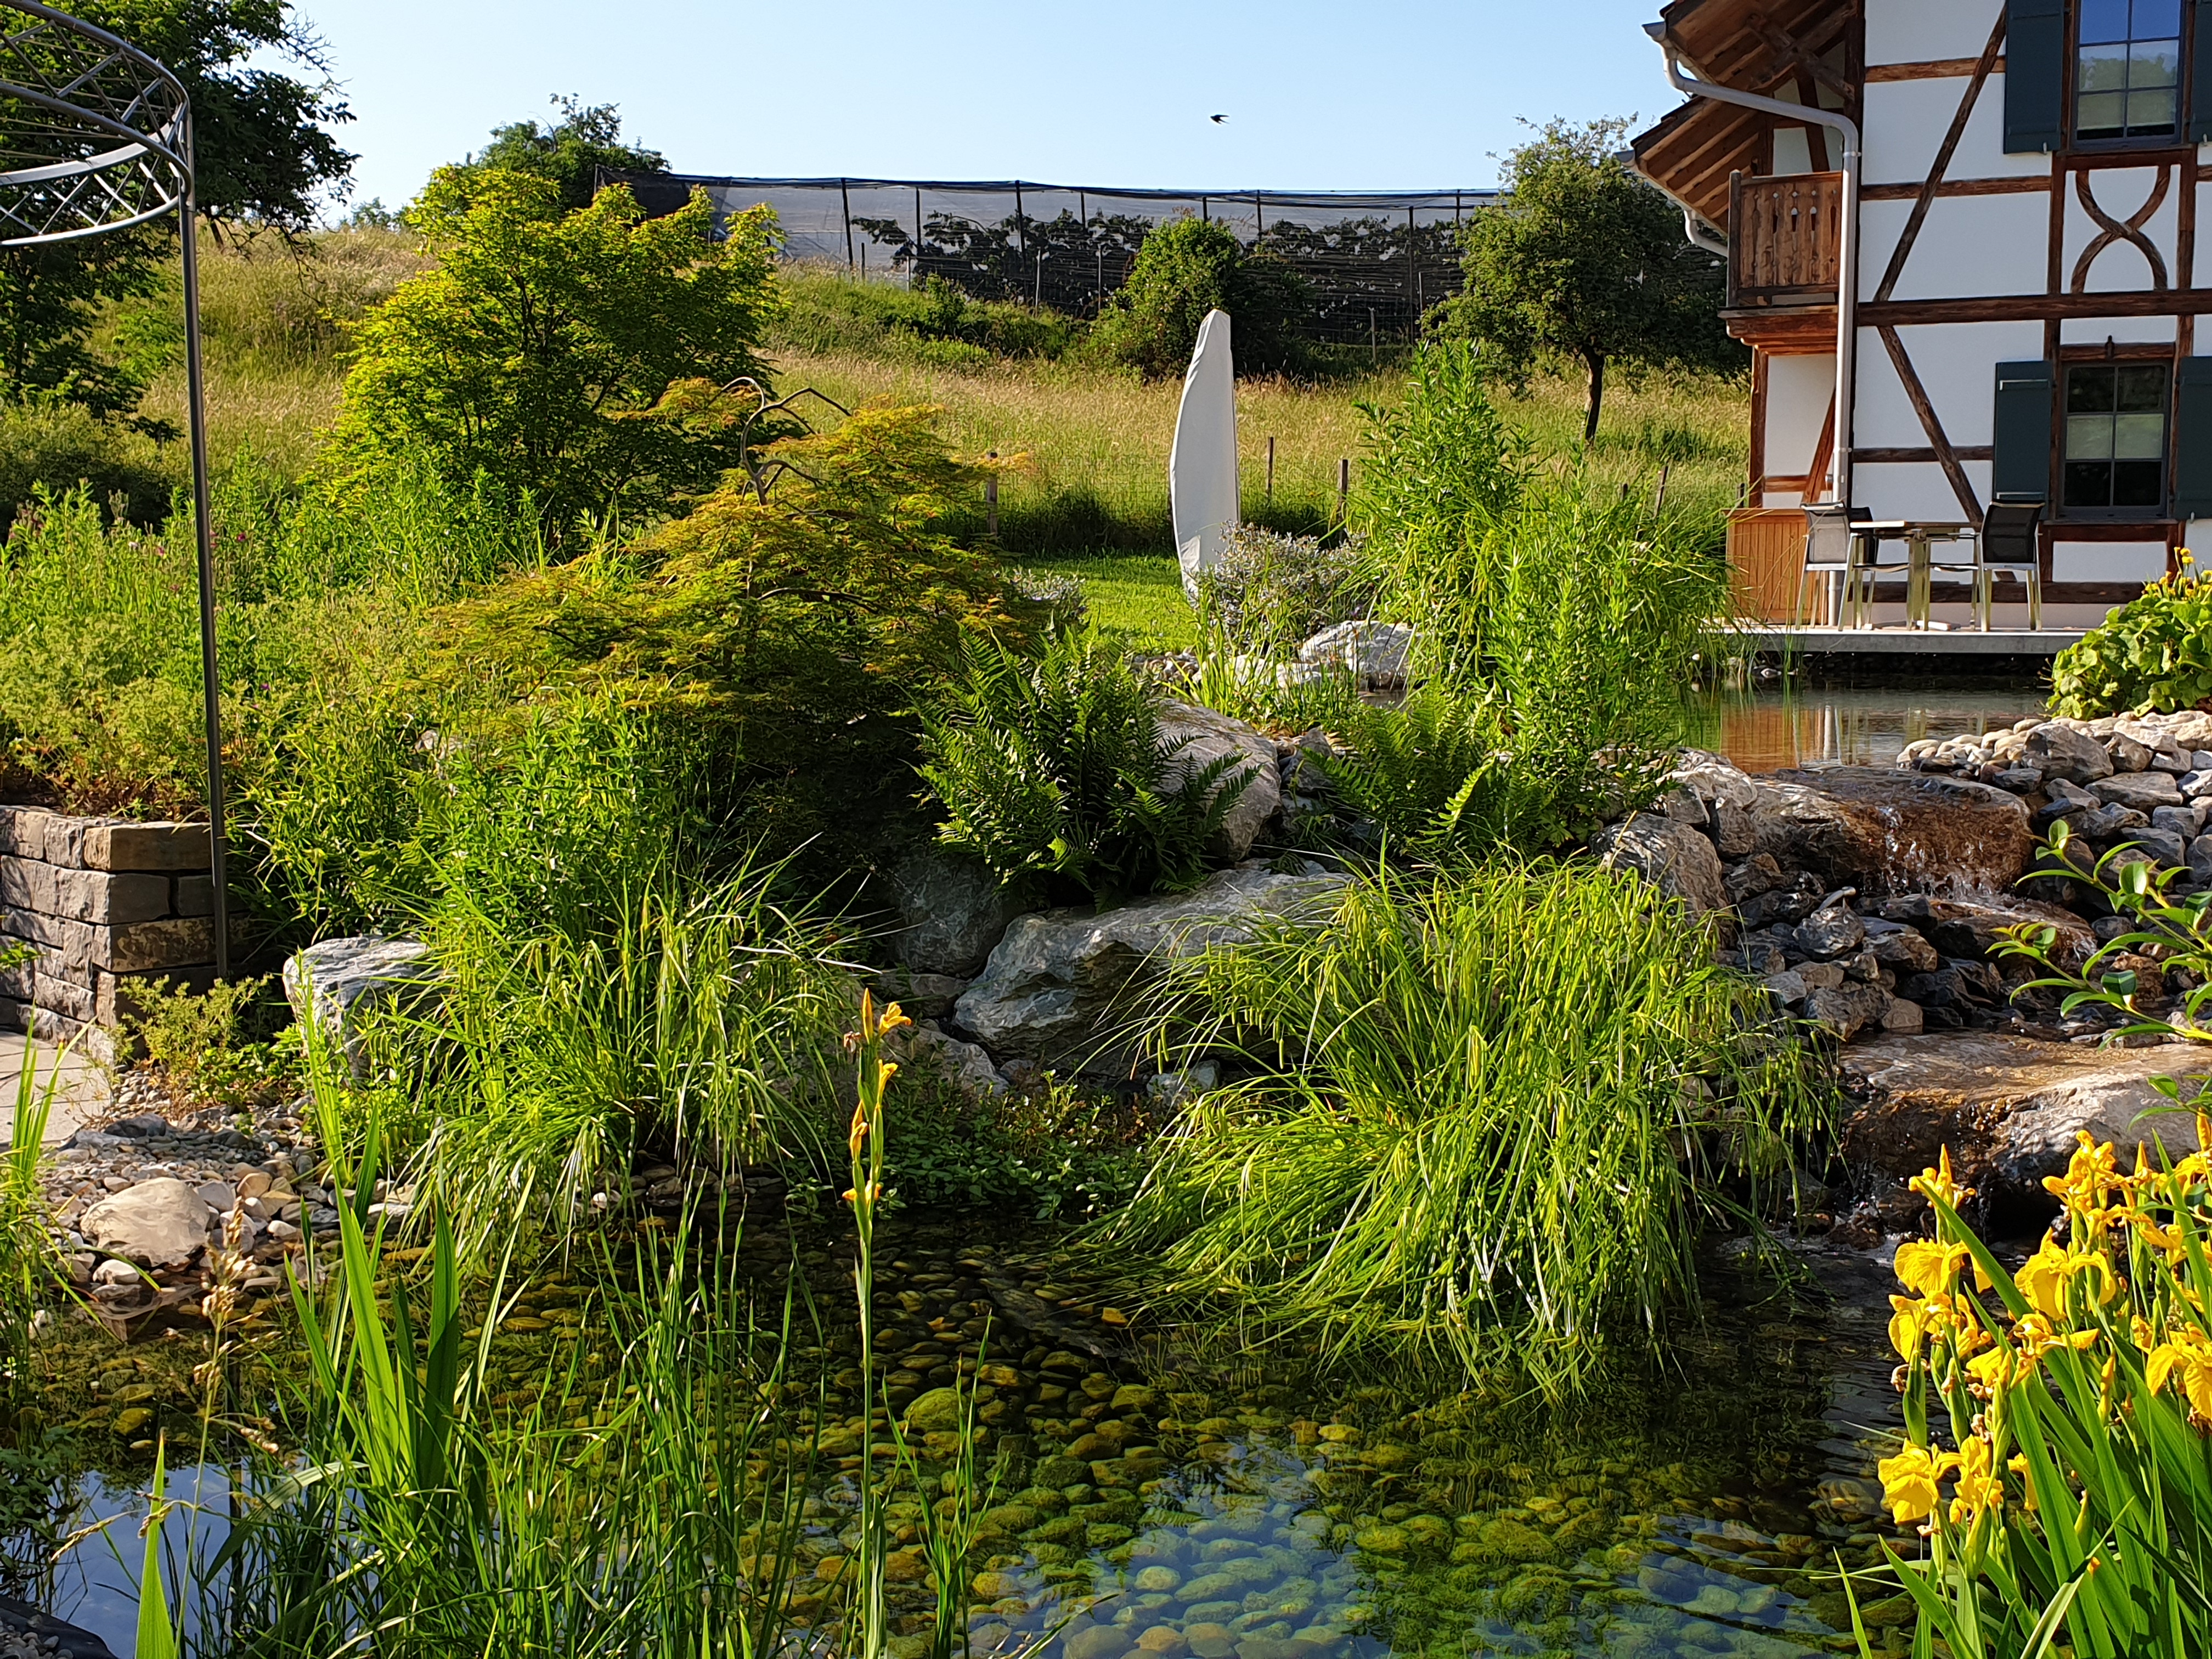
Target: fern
<point>1054,773</point>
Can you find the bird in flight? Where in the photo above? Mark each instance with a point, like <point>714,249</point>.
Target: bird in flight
<point>1218,119</point>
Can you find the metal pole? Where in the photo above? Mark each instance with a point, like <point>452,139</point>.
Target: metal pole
<point>913,277</point>
<point>1021,236</point>
<point>1412,281</point>
<point>210,681</point>
<point>845,194</point>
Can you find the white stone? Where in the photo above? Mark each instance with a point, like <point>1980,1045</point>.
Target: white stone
<point>160,1223</point>
<point>1376,651</point>
<point>1199,737</point>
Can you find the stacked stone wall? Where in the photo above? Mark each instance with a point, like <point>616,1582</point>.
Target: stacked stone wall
<point>106,904</point>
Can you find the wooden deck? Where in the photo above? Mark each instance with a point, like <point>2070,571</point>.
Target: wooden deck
<point>1897,640</point>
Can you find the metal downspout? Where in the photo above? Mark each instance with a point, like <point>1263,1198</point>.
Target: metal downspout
<point>1847,277</point>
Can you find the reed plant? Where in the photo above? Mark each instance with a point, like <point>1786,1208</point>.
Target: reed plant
<point>1479,1116</point>
<point>31,1271</point>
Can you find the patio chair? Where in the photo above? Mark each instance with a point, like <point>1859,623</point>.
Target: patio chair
<point>1836,552</point>
<point>2010,544</point>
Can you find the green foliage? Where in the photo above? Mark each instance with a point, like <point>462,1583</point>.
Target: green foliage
<point>2154,652</point>
<point>1583,259</point>
<point>30,1260</point>
<point>1428,772</point>
<point>1053,771</point>
<point>1050,1154</point>
<point>1484,1117</point>
<point>61,446</point>
<point>568,152</point>
<point>535,353</point>
<point>265,157</point>
<point>1438,461</point>
<point>937,327</point>
<point>1186,269</point>
<point>210,1047</point>
<point>1269,592</point>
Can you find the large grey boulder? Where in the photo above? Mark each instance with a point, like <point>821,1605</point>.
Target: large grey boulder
<point>2141,791</point>
<point>1728,794</point>
<point>1675,858</point>
<point>332,985</point>
<point>2039,1136</point>
<point>1203,737</point>
<point>1053,991</point>
<point>156,1224</point>
<point>951,912</point>
<point>1884,831</point>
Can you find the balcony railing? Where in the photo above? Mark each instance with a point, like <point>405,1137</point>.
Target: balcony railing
<point>1785,234</point>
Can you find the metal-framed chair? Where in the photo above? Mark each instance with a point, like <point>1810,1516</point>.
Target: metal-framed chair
<point>1836,553</point>
<point>2010,544</point>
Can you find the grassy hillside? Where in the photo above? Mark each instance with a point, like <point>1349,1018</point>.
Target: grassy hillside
<point>1010,380</point>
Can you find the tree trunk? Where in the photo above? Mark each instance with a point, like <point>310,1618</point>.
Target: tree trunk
<point>1596,362</point>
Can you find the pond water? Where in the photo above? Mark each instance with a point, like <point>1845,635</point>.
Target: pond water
<point>1164,1499</point>
<point>1768,731</point>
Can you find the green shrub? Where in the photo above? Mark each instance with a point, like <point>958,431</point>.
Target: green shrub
<point>2154,652</point>
<point>210,1047</point>
<point>1442,459</point>
<point>1485,1117</point>
<point>1270,593</point>
<point>1186,269</point>
<point>1053,772</point>
<point>60,446</point>
<point>1432,774</point>
<point>936,325</point>
<point>533,352</point>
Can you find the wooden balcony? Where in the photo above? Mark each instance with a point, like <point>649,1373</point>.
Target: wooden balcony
<point>1786,234</point>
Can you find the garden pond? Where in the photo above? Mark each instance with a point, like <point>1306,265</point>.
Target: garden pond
<point>1162,1497</point>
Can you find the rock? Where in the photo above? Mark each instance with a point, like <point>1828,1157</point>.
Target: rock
<point>157,1224</point>
<point>1052,989</point>
<point>1789,988</point>
<point>1168,1090</point>
<point>2039,1136</point>
<point>2140,790</point>
<point>217,1195</point>
<point>1674,858</point>
<point>2019,780</point>
<point>2196,784</point>
<point>2063,752</point>
<point>2128,755</point>
<point>1831,931</point>
<point>1376,651</point>
<point>1961,991</point>
<point>1683,807</point>
<point>1821,975</point>
<point>1201,736</point>
<point>347,978</point>
<point>1755,875</point>
<point>2161,847</point>
<point>937,1411</point>
<point>1790,904</point>
<point>963,1065</point>
<point>951,912</point>
<point>1885,831</point>
<point>919,996</point>
<point>1959,928</point>
<point>2187,822</point>
<point>1904,949</point>
<point>1713,781</point>
<point>1904,1018</point>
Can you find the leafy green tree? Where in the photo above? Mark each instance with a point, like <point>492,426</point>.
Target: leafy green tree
<point>536,356</point>
<point>264,156</point>
<point>569,151</point>
<point>1583,259</point>
<point>1186,269</point>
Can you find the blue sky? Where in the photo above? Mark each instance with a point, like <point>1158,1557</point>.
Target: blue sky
<point>1376,96</point>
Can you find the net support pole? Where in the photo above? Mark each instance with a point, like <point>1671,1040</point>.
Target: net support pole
<point>204,527</point>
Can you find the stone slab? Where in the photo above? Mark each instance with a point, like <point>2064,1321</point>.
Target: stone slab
<point>170,849</point>
<point>81,1092</point>
<point>93,895</point>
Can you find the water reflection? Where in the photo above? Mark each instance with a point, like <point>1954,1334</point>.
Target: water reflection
<point>1854,726</point>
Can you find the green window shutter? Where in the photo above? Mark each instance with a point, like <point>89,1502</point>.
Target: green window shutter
<point>2192,439</point>
<point>2200,73</point>
<point>2026,404</point>
<point>2035,76</point>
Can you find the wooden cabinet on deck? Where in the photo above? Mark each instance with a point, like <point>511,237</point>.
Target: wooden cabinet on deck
<point>1766,560</point>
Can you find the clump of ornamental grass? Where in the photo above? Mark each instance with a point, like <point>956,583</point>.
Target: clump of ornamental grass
<point>1480,1116</point>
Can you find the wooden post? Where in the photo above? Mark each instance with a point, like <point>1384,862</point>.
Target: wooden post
<point>1374,350</point>
<point>991,495</point>
<point>845,194</point>
<point>1660,504</point>
<point>1270,470</point>
<point>1343,490</point>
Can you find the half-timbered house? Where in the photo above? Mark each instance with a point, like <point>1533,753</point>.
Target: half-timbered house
<point>1997,214</point>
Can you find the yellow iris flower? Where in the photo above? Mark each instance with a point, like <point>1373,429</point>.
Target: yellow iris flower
<point>1980,1487</point>
<point>1938,1182</point>
<point>2043,1278</point>
<point>1909,1482</point>
<point>2092,1172</point>
<point>2189,1357</point>
<point>1929,1269</point>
